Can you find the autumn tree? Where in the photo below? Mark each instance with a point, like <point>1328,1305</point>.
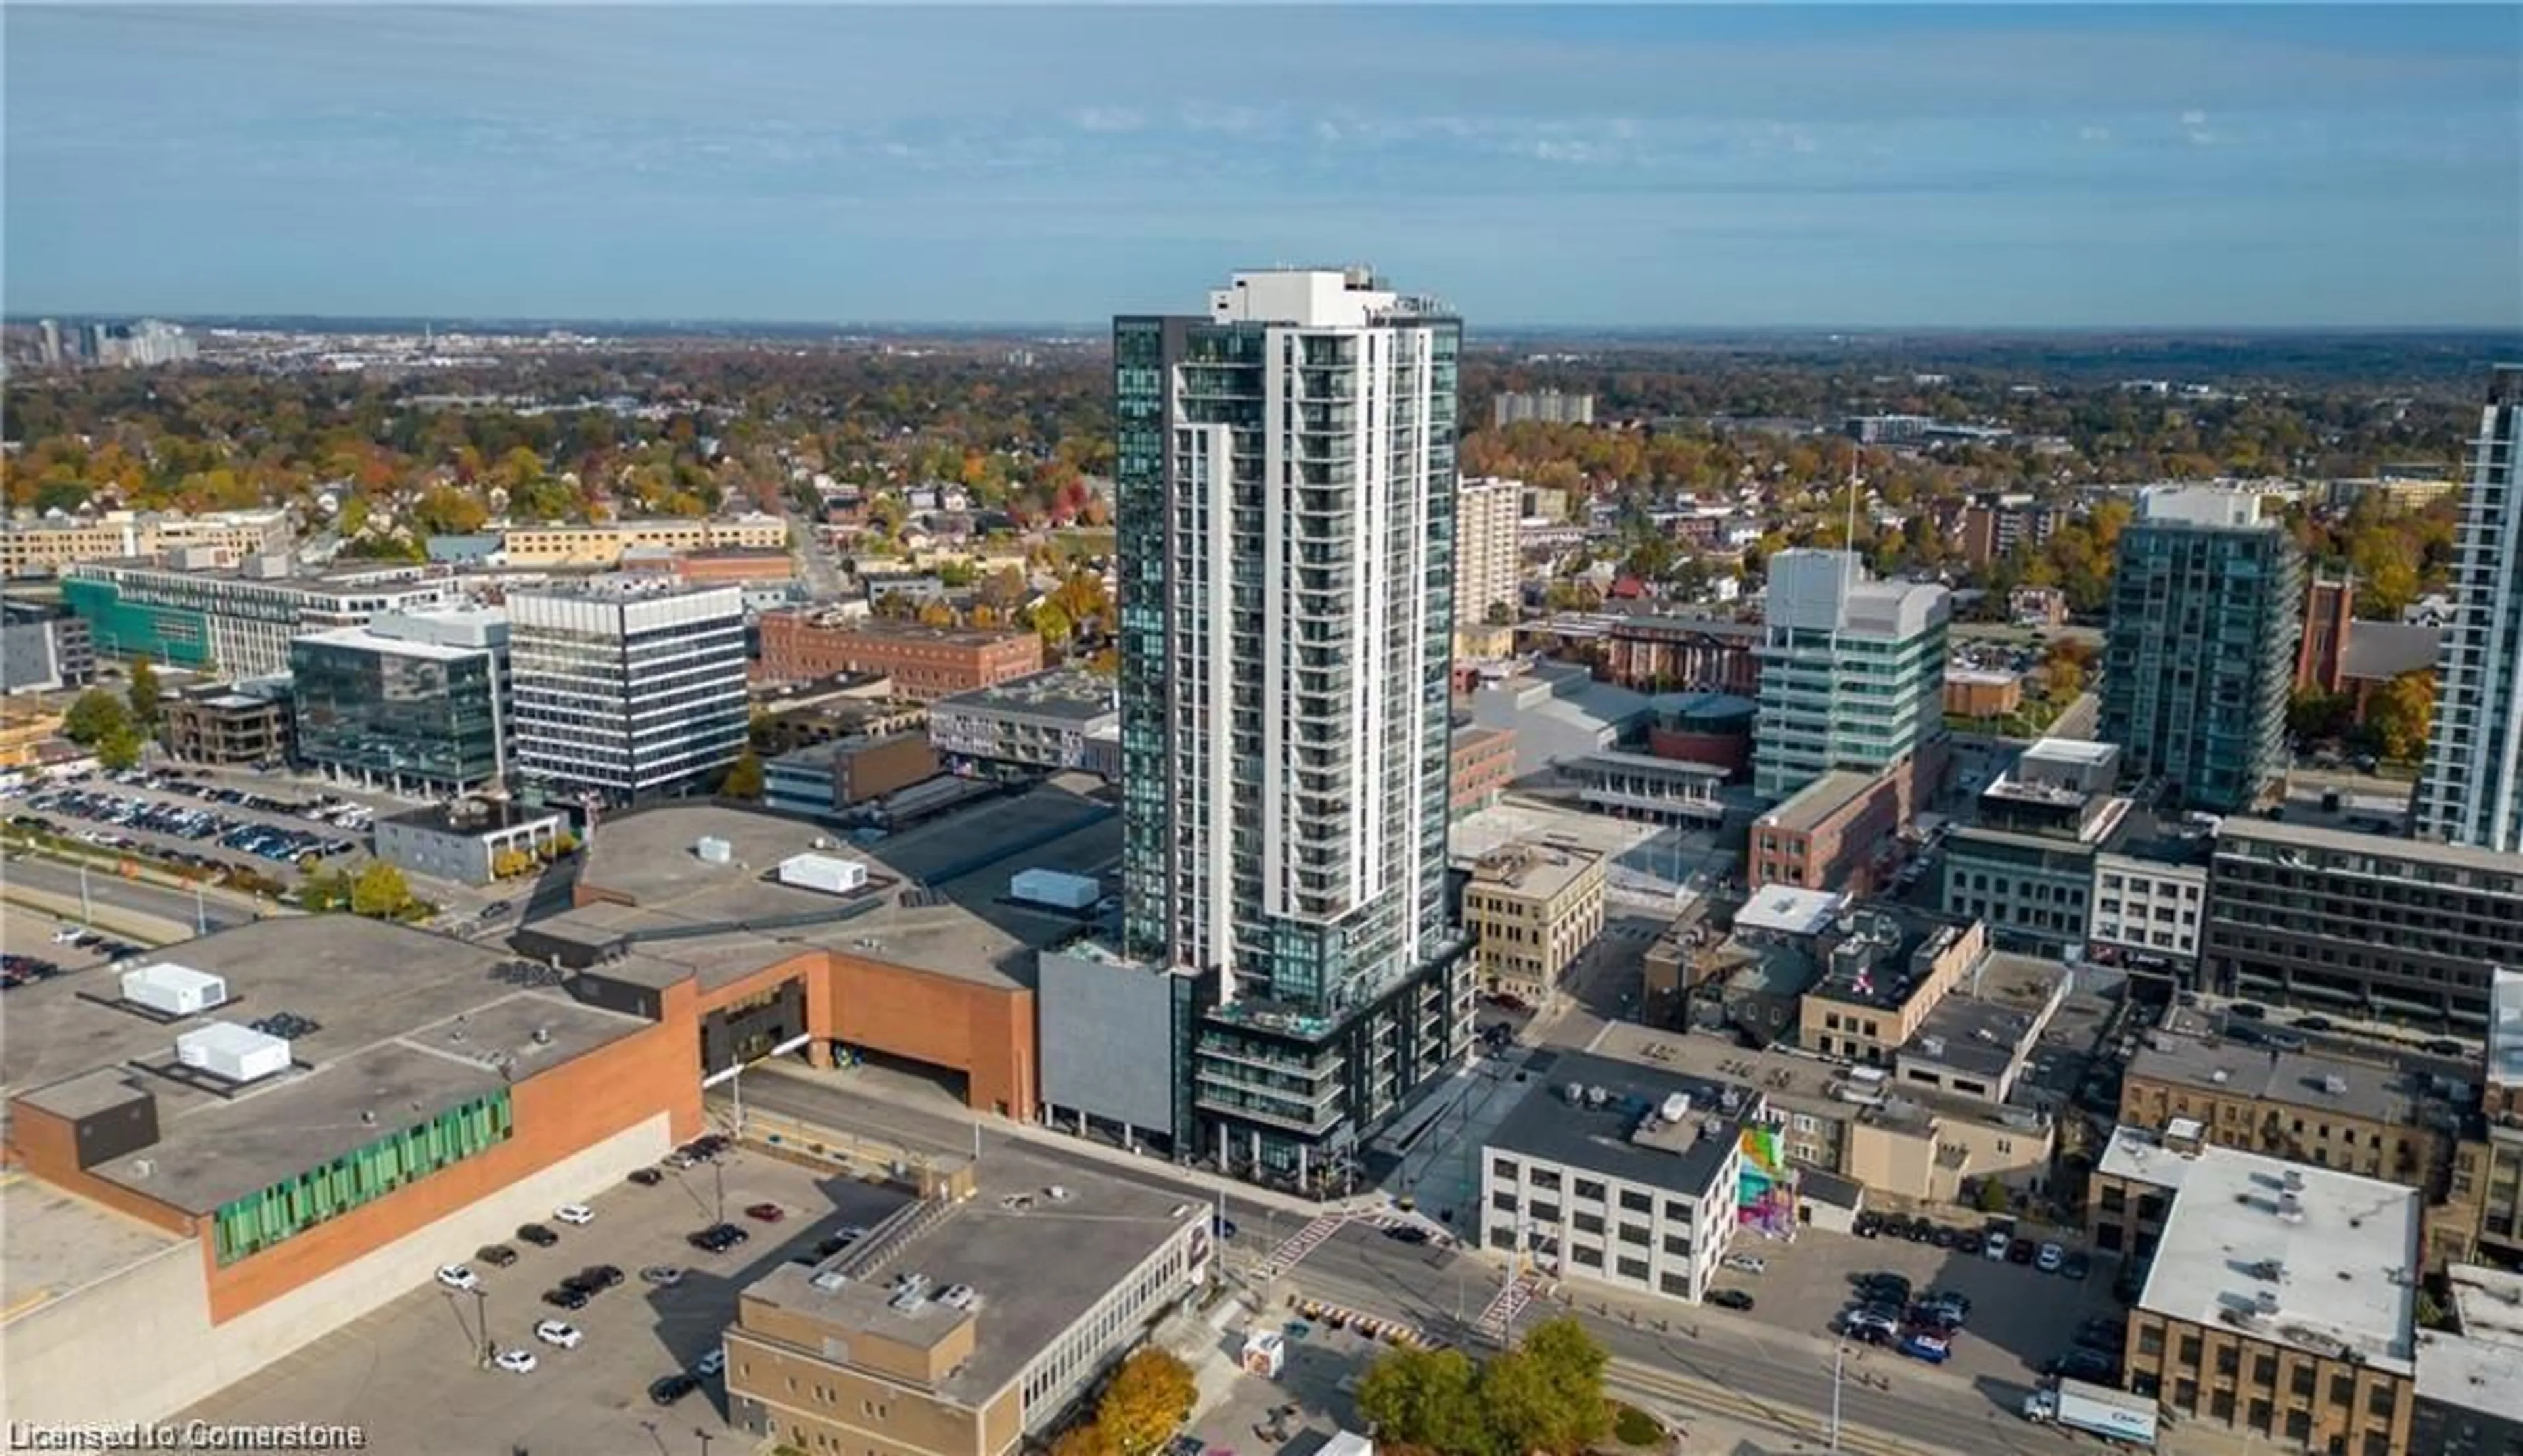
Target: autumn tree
<point>120,748</point>
<point>744,777</point>
<point>2402,714</point>
<point>1423,1399</point>
<point>96,714</point>
<point>380,890</point>
<point>1054,624</point>
<point>1150,1398</point>
<point>934,612</point>
<point>144,695</point>
<point>1088,1439</point>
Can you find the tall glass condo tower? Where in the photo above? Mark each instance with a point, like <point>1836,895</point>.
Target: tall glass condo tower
<point>1285,473</point>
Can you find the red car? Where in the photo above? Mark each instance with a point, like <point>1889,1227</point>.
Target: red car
<point>766,1212</point>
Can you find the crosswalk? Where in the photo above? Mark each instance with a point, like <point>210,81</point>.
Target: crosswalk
<point>1299,1245</point>
<point>1509,1302</point>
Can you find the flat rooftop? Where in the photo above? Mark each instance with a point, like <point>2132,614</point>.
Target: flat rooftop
<point>1105,1227</point>
<point>474,816</point>
<point>2139,1155</point>
<point>53,1244</point>
<point>2489,1302</point>
<point>938,897</point>
<point>1896,937</point>
<point>1984,1031</point>
<point>409,1024</point>
<point>913,632</point>
<point>1789,910</point>
<point>1685,1158</point>
<point>1060,695</point>
<point>2240,830</point>
<point>2302,1079</point>
<point>1534,871</point>
<point>418,648</point>
<point>1786,1078</point>
<point>2472,1374</point>
<point>1817,801</point>
<point>2340,1261</point>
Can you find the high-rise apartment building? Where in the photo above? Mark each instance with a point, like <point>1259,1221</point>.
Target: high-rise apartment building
<point>1286,484</point>
<point>624,688</point>
<point>2472,792</point>
<point>2202,646</point>
<point>1852,671</point>
<point>1541,406</point>
<point>1486,513</point>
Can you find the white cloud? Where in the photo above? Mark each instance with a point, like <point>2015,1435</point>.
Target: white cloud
<point>2194,119</point>
<point>1109,118</point>
<point>2094,134</point>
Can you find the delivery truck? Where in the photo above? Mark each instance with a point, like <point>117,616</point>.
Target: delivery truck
<point>2100,1410</point>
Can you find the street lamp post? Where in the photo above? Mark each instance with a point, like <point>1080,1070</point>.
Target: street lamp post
<point>718,1179</point>
<point>482,1322</point>
<point>704,1434</point>
<point>1838,1366</point>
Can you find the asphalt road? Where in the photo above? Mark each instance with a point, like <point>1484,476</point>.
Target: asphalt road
<point>107,888</point>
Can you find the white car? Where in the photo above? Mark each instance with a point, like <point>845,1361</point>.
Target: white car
<point>575,1214</point>
<point>457,1277</point>
<point>710,1364</point>
<point>1745,1263</point>
<point>67,933</point>
<point>515,1362</point>
<point>559,1332</point>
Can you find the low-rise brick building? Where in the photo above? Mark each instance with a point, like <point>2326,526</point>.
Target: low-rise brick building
<point>924,662</point>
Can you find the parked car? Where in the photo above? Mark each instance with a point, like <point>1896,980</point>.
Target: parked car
<point>537,1235</point>
<point>711,1363</point>
<point>559,1334</point>
<point>2085,1364</point>
<point>2021,1252</point>
<point>1993,1243</point>
<point>1730,1299</point>
<point>647,1177</point>
<point>1407,1232</point>
<point>1745,1263</point>
<point>1949,1300</point>
<point>1868,1224</point>
<point>565,1297</point>
<point>515,1362</point>
<point>457,1277</point>
<point>602,1276</point>
<point>1932,1348</point>
<point>667,1389</point>
<point>2049,1258</point>
<point>1859,1321</point>
<point>576,1215</point>
<point>1884,1288</point>
<point>2076,1266</point>
<point>496,1256</point>
<point>765,1212</point>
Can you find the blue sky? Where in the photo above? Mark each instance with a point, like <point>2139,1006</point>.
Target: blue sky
<point>1963,166</point>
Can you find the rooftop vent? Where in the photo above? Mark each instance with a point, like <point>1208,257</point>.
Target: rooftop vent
<point>2266,1302</point>
<point>2294,1180</point>
<point>829,1281</point>
<point>2219,1076</point>
<point>713,850</point>
<point>2290,1209</point>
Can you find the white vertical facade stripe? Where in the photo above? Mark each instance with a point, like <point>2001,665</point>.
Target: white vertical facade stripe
<point>1218,687</point>
<point>1419,491</point>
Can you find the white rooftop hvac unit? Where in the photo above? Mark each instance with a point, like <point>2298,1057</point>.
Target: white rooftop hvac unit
<point>715,851</point>
<point>829,873</point>
<point>175,990</point>
<point>233,1052</point>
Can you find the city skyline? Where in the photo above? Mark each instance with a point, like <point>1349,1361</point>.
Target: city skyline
<point>2028,166</point>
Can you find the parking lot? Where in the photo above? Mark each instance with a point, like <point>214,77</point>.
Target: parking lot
<point>411,1372</point>
<point>186,821</point>
<point>36,949</point>
<point>2021,1319</point>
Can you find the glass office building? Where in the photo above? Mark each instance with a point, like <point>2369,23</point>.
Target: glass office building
<point>403,707</point>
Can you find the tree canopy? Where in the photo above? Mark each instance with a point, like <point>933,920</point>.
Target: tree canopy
<point>1545,1395</point>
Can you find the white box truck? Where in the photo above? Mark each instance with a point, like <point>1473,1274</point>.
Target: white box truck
<point>2099,1410</point>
